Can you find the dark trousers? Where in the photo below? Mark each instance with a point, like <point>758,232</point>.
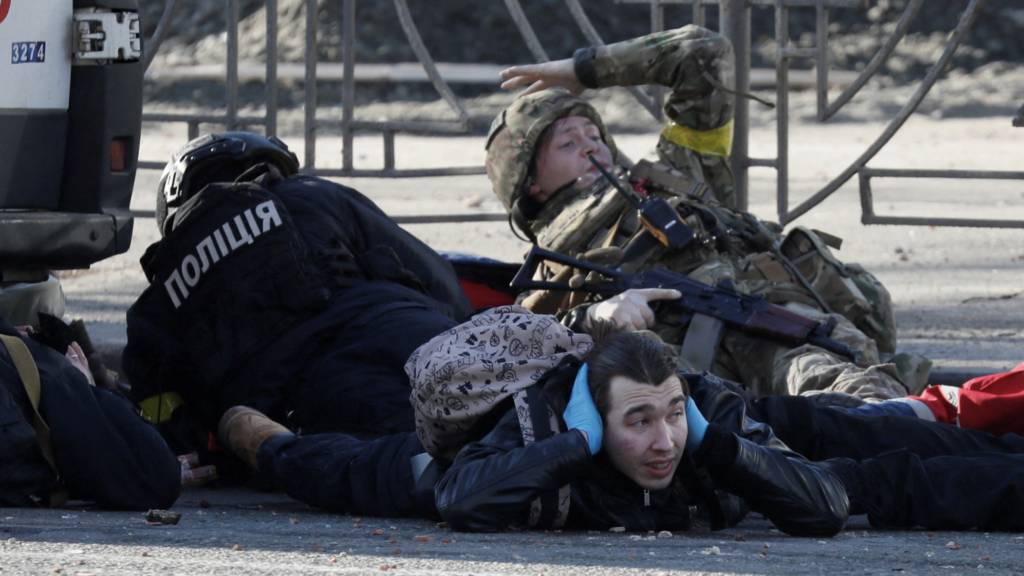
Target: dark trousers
<point>349,475</point>
<point>352,409</point>
<point>909,472</point>
<point>357,384</point>
<point>104,451</point>
<point>822,433</point>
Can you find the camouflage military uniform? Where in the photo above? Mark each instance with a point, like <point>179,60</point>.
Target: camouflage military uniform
<point>692,173</point>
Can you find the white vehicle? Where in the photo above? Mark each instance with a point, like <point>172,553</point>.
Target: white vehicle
<point>70,117</point>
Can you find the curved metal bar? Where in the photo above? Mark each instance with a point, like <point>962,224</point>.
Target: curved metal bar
<point>526,31</point>
<point>416,42</point>
<point>591,33</point>
<point>154,42</point>
<point>877,61</point>
<point>965,24</point>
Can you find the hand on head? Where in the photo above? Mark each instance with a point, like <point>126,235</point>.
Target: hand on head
<point>631,309</point>
<point>581,412</point>
<point>697,424</point>
<point>536,77</point>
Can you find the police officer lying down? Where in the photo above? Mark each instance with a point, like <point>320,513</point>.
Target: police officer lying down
<point>290,294</point>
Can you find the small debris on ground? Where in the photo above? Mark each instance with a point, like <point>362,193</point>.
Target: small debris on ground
<point>995,298</point>
<point>157,517</point>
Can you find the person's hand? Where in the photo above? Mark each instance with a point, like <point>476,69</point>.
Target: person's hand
<point>76,356</point>
<point>554,74</point>
<point>192,474</point>
<point>697,425</point>
<point>581,412</point>
<point>629,310</point>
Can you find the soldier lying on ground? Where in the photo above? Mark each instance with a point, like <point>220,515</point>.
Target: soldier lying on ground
<point>541,155</point>
<point>66,437</point>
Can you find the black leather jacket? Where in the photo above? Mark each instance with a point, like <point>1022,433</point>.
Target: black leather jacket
<point>493,482</point>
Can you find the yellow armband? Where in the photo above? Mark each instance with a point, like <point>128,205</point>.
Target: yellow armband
<point>716,142</point>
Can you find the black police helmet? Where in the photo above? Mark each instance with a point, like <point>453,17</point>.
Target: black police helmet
<point>221,157</point>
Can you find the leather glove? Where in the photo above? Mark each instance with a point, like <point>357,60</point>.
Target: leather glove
<point>697,425</point>
<point>581,412</point>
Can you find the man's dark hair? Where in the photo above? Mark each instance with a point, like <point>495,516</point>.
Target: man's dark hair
<point>639,356</point>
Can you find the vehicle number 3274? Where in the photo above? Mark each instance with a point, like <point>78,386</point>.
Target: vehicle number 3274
<point>28,52</point>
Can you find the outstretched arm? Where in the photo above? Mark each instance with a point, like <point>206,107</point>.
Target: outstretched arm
<point>555,74</point>
<point>694,62</point>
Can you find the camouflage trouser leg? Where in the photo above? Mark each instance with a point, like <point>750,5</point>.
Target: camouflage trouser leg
<point>766,368</point>
<point>809,369</point>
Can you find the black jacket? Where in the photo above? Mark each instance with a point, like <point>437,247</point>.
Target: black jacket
<point>493,482</point>
<point>102,450</point>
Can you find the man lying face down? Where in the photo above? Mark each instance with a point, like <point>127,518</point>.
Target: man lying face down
<point>632,449</point>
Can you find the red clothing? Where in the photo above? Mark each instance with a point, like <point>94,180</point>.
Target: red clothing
<point>994,403</point>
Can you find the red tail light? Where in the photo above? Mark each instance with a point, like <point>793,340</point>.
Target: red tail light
<point>119,155</point>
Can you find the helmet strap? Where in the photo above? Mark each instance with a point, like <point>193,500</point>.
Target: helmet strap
<point>517,222</point>
<point>263,173</point>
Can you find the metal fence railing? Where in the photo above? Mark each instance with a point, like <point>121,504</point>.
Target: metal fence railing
<point>735,22</point>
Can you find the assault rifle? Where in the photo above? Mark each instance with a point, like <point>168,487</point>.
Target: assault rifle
<point>751,314</point>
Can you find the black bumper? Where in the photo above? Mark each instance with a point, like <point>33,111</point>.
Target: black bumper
<point>57,240</point>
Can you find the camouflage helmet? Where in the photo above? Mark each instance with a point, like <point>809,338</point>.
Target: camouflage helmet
<point>515,133</point>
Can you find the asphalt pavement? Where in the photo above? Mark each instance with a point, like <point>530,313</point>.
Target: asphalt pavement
<point>238,531</point>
